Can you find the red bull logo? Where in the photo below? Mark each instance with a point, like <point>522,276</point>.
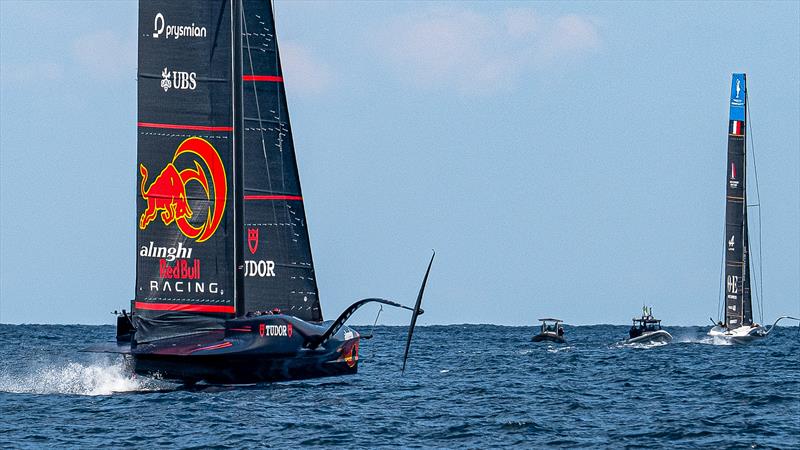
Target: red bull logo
<point>167,193</point>
<point>350,353</point>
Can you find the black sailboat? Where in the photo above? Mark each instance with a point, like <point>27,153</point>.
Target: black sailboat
<point>225,283</point>
<point>737,323</point>
<point>738,314</point>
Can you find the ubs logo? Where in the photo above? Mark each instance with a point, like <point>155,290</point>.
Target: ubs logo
<point>174,79</point>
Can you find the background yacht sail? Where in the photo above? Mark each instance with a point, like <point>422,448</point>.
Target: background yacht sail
<point>738,304</point>
<point>184,221</point>
<point>279,270</point>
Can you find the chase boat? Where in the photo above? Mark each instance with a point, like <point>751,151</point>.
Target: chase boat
<point>226,290</point>
<point>551,330</point>
<point>647,330</point>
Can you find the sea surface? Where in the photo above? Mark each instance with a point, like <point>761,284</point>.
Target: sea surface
<point>467,386</point>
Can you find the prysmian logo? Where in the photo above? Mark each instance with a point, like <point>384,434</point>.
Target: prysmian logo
<point>160,28</point>
<point>174,79</point>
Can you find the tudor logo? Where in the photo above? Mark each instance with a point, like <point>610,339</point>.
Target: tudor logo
<point>260,268</point>
<point>160,28</point>
<point>252,240</point>
<point>275,330</point>
<point>174,79</point>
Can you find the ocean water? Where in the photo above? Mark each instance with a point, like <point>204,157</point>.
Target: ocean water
<point>467,386</point>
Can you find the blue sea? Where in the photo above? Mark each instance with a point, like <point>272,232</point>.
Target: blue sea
<point>467,386</point>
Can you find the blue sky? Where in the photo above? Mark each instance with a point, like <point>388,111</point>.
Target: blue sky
<point>564,159</point>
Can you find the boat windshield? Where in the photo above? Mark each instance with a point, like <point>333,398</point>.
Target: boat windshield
<point>641,326</point>
<point>552,327</point>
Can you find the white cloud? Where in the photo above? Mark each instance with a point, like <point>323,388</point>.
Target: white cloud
<point>304,74</point>
<point>481,53</point>
<point>105,55</point>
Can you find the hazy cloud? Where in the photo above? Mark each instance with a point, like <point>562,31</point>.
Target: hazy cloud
<point>106,55</point>
<point>304,73</point>
<point>482,53</point>
<point>34,72</point>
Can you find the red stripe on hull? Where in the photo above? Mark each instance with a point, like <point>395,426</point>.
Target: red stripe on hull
<point>214,347</point>
<point>273,197</point>
<point>173,126</point>
<point>184,307</point>
<point>271,78</point>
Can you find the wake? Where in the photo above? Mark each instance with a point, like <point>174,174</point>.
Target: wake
<point>72,378</point>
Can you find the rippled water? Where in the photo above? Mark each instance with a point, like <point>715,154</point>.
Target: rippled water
<point>466,386</point>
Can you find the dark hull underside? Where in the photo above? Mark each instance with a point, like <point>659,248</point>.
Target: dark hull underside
<point>550,337</point>
<point>249,350</point>
<point>233,369</point>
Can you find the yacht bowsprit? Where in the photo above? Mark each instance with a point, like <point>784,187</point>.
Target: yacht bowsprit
<point>226,290</point>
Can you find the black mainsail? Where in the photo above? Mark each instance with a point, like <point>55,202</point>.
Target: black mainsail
<point>185,279</point>
<point>221,226</point>
<point>738,303</point>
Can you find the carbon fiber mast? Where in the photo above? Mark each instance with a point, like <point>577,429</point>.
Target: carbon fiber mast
<point>238,157</point>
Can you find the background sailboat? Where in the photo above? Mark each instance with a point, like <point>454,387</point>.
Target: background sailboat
<point>737,323</point>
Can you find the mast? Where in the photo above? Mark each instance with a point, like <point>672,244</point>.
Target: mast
<point>238,156</point>
<point>738,308</point>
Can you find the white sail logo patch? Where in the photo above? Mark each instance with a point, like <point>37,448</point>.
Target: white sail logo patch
<point>733,182</point>
<point>730,243</point>
<point>733,284</point>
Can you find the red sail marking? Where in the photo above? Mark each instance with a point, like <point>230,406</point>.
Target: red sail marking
<point>271,78</point>
<point>273,197</point>
<point>173,126</point>
<point>185,307</point>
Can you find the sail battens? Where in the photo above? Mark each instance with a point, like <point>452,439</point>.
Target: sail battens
<point>267,78</point>
<point>273,197</point>
<point>174,126</point>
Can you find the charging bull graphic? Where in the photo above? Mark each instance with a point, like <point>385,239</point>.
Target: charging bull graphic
<point>167,192</point>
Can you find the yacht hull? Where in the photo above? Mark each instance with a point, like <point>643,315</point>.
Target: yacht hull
<point>740,335</point>
<point>249,350</point>
<point>651,337</point>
